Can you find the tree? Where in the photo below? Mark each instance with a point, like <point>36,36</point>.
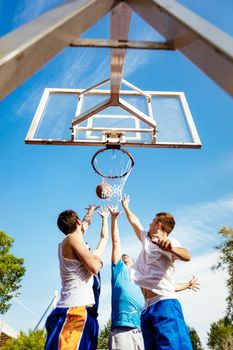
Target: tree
<point>103,336</point>
<point>34,340</point>
<point>195,340</point>
<point>225,261</point>
<point>11,272</point>
<point>220,336</point>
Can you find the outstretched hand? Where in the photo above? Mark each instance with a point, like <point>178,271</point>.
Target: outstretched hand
<point>103,212</point>
<point>194,284</point>
<point>87,218</point>
<point>125,201</point>
<point>114,212</point>
<point>92,207</point>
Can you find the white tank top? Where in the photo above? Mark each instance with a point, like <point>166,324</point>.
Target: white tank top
<point>76,281</point>
<point>154,268</point>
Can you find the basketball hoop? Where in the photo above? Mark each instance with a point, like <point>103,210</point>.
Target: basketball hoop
<point>123,162</point>
<point>114,165</point>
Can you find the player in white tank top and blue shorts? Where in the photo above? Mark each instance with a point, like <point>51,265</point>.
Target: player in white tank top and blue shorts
<point>162,321</point>
<point>73,323</point>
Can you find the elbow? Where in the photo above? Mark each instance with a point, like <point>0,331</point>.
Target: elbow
<point>184,254</point>
<point>187,257</point>
<point>115,241</point>
<point>95,268</point>
<point>94,271</point>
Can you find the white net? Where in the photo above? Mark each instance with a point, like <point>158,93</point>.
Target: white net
<point>117,185</point>
<point>114,167</point>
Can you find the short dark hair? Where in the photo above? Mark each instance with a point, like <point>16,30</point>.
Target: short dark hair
<point>123,255</point>
<point>67,221</point>
<point>167,221</point>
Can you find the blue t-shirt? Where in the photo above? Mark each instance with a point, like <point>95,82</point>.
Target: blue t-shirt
<point>127,299</point>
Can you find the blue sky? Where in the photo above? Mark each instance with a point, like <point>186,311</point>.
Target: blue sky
<point>38,182</point>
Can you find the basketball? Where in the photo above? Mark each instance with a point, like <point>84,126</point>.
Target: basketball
<point>104,190</point>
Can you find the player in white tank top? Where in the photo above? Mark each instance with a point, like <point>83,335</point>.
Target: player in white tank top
<point>73,323</point>
<point>162,322</point>
<point>76,282</point>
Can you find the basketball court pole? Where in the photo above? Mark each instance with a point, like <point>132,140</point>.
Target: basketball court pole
<point>2,324</point>
<point>120,22</point>
<point>53,303</point>
<point>122,44</point>
<point>28,48</point>
<point>202,43</point>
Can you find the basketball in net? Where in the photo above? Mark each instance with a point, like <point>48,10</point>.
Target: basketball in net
<point>104,190</point>
<point>114,165</point>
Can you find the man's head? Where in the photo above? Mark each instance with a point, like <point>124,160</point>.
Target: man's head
<point>162,224</point>
<point>127,260</point>
<point>68,221</point>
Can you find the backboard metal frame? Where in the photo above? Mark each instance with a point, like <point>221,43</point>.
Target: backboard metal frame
<point>112,135</point>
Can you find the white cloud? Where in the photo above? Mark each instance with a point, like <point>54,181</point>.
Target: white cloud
<point>197,226</point>
<point>27,12</point>
<point>134,59</point>
<point>72,69</point>
<point>208,304</point>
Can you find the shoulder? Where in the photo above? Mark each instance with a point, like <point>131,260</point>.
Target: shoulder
<point>175,243</point>
<point>74,237</point>
<point>144,234</point>
<point>118,267</point>
<point>75,240</point>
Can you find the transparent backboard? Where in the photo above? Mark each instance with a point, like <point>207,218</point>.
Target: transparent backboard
<point>148,119</point>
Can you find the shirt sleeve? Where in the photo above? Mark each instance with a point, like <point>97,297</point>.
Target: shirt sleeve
<point>170,255</point>
<point>175,243</point>
<point>116,268</point>
<point>143,234</point>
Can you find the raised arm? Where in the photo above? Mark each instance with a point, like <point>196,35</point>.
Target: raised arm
<point>179,252</point>
<point>132,218</point>
<point>104,213</point>
<point>116,244</point>
<point>89,260</point>
<point>191,284</point>
<point>86,221</point>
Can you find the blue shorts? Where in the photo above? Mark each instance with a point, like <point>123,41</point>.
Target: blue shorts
<point>74,328</point>
<point>164,328</point>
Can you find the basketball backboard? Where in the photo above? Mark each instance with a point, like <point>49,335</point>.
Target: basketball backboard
<point>90,117</point>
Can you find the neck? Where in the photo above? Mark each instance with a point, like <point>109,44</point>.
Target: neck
<point>158,233</point>
<point>78,231</point>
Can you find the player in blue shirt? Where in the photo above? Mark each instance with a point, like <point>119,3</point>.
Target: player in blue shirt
<point>127,299</point>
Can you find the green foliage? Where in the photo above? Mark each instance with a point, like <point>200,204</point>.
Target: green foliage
<point>34,340</point>
<point>196,342</point>
<point>11,272</point>
<point>103,336</point>
<point>225,261</point>
<point>220,336</point>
